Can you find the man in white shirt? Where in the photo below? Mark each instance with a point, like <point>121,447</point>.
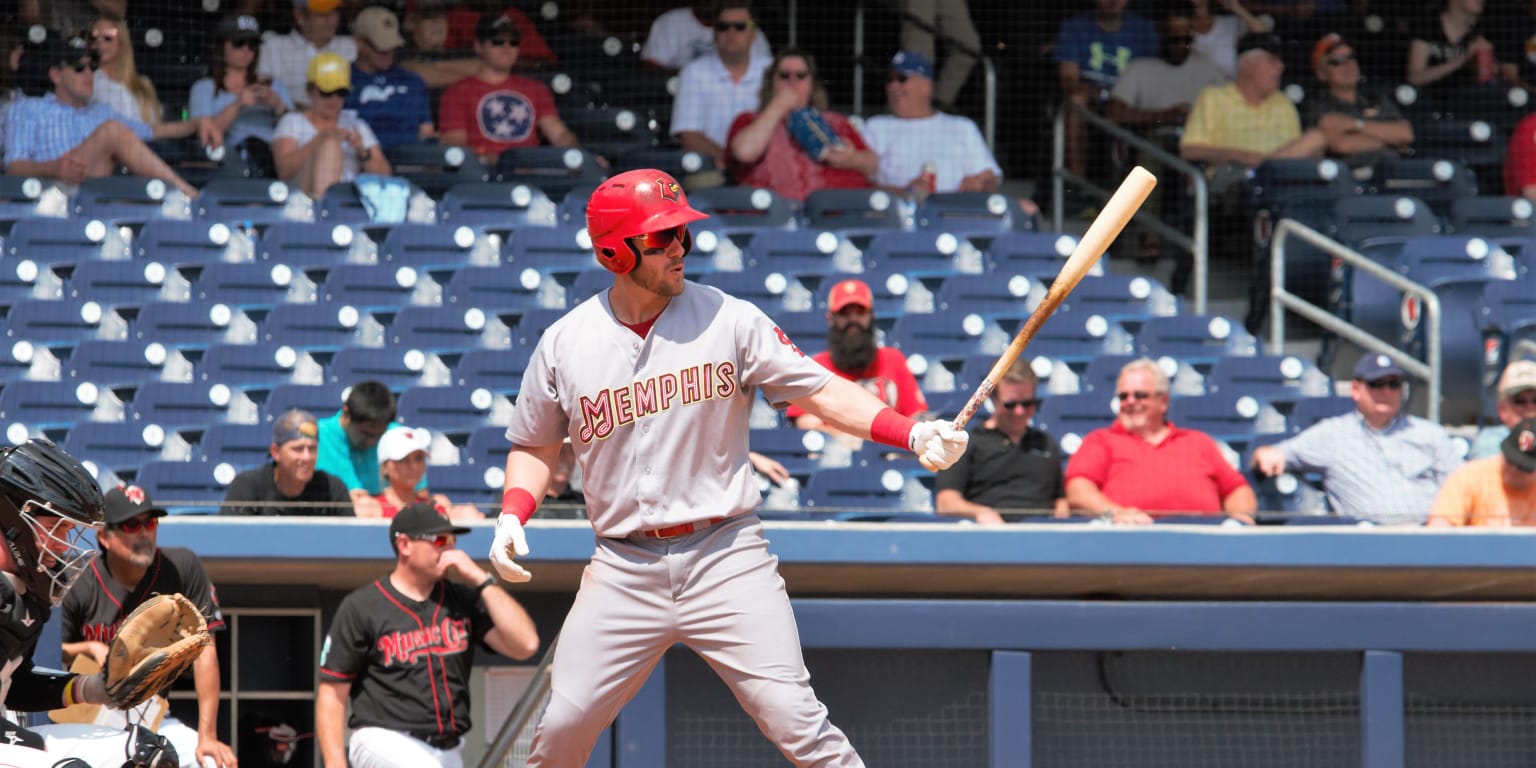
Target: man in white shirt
<point>915,134</point>
<point>286,57</point>
<point>684,35</point>
<point>713,90</point>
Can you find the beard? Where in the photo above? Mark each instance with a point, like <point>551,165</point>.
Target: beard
<point>852,349</point>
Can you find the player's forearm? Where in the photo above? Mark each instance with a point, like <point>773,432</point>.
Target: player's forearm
<point>530,468</point>
<point>330,724</point>
<point>845,406</point>
<point>205,678</point>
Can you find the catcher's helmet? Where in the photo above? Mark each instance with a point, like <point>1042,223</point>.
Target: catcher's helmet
<point>37,478</point>
<point>631,204</point>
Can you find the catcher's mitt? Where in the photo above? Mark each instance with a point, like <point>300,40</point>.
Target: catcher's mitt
<point>154,645</point>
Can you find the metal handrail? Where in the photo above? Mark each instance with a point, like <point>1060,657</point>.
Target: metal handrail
<point>524,711</point>
<point>1197,242</point>
<point>1280,299</point>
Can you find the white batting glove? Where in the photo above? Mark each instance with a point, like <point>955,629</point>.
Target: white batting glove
<point>510,541</point>
<point>938,443</point>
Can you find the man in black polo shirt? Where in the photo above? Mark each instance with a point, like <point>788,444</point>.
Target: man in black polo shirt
<point>289,484</point>
<point>1009,465</point>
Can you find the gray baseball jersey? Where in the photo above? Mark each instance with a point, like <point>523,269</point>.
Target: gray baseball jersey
<point>660,424</point>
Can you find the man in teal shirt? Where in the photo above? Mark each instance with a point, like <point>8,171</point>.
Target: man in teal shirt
<point>349,443</point>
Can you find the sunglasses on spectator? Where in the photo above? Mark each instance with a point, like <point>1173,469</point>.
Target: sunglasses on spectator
<point>135,525</point>
<point>1523,402</point>
<point>339,93</point>
<point>727,26</point>
<point>250,43</point>
<point>440,540</point>
<point>82,65</point>
<point>1139,395</point>
<point>501,42</point>
<point>1385,384</point>
<point>662,239</point>
<point>103,37</point>
<point>1336,61</point>
<point>792,75</point>
<point>1013,405</point>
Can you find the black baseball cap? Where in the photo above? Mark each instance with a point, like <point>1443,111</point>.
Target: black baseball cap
<point>1260,41</point>
<point>496,25</point>
<point>238,27</point>
<point>423,519</point>
<point>126,502</point>
<point>59,50</point>
<point>1520,447</point>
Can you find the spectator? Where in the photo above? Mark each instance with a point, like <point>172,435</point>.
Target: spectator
<point>390,99</point>
<point>240,102</point>
<point>1495,492</point>
<point>286,58</point>
<point>349,443</point>
<point>1378,464</point>
<point>765,153</point>
<point>1008,464</point>
<point>713,90</point>
<point>495,110</point>
<point>1092,50</point>
<point>464,22</point>
<point>1361,125</point>
<point>428,55</point>
<point>924,23</point>
<point>1144,466</point>
<point>915,134</point>
<point>1449,59</point>
<point>62,136</point>
<point>408,687</point>
<point>403,471</point>
<point>853,354</point>
<point>684,35</point>
<point>1216,35</point>
<point>1517,401</point>
<point>289,485</point>
<point>323,144</point>
<point>129,569</point>
<point>1520,160</point>
<point>118,82</point>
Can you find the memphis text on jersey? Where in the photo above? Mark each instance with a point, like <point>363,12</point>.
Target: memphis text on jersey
<point>619,406</point>
<point>445,638</point>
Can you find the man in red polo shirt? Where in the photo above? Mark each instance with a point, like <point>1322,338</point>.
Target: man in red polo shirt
<point>1144,466</point>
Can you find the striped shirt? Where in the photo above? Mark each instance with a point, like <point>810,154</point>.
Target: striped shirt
<point>43,129</point>
<point>1387,476</point>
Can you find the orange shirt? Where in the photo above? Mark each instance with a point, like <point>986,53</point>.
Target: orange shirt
<point>1475,494</point>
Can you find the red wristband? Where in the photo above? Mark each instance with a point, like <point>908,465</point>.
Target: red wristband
<point>517,501</point>
<point>893,429</point>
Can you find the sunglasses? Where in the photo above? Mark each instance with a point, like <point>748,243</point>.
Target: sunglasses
<point>247,43</point>
<point>441,540</point>
<point>339,93</point>
<point>1013,405</point>
<point>104,37</point>
<point>728,26</point>
<point>662,239</point>
<point>1523,402</point>
<point>897,77</point>
<point>501,42</point>
<point>135,525</point>
<point>1139,395</point>
<point>1385,384</point>
<point>798,75</point>
<point>1335,61</point>
<point>84,64</point>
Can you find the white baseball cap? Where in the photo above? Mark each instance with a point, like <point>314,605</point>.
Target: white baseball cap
<point>1518,377</point>
<point>400,442</point>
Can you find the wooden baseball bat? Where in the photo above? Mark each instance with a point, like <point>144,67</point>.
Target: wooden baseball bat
<point>1105,228</point>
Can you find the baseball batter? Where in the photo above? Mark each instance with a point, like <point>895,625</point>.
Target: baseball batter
<point>653,382</point>
<point>402,647</point>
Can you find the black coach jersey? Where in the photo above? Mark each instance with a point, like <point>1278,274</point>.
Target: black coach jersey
<point>408,661</point>
<point>95,606</point>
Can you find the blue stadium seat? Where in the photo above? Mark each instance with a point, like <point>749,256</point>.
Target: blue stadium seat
<point>858,489</point>
<point>241,446</point>
<point>111,363</point>
<point>1069,418</point>
<point>243,366</point>
<point>1459,285</point>
<point>1281,380</point>
<point>120,199</point>
<point>51,408</point>
<point>1291,493</point>
<point>799,450</point>
<point>325,327</point>
<point>1355,219</point>
<point>1507,316</point>
<point>1472,141</point>
<point>852,209</point>
<point>184,487</point>
<point>807,255</point>
<point>1303,189</point>
<point>993,293</point>
<point>497,289</point>
<point>467,484</point>
<point>454,410</point>
<point>1078,337</point>
<point>228,199</point>
<point>754,286</point>
<point>679,163</point>
<point>613,131</point>
<point>531,324</point>
<point>322,400</point>
<point>1232,419</point>
<point>447,329</point>
<point>307,246</point>
<point>1491,216</point>
<point>342,204</point>
<point>426,247</point>
<point>174,242</point>
<point>921,251</point>
<point>1199,340</point>
<point>120,447</point>
<point>556,170</point>
<point>18,198</point>
<point>54,323</point>
<point>1311,410</point>
<point>559,252</point>
<point>1122,299</point>
<point>571,211</point>
<point>253,285</point>
<point>47,242</point>
<point>967,212</point>
<point>487,447</point>
<point>499,370</point>
<point>1435,180</point>
<point>1102,374</point>
<point>753,208</point>
<point>435,168</point>
<point>494,205</point>
<point>193,325</point>
<point>125,283</point>
<point>591,282</point>
<point>949,333</point>
<point>371,287</point>
<point>397,367</point>
<point>1036,254</point>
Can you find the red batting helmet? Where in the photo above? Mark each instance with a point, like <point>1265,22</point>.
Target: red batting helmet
<point>631,204</point>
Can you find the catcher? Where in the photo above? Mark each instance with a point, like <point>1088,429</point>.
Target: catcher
<point>129,570</point>
<point>47,503</point>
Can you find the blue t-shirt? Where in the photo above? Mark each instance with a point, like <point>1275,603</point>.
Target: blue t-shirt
<point>357,468</point>
<point>1101,56</point>
<point>207,101</point>
<point>394,103</point>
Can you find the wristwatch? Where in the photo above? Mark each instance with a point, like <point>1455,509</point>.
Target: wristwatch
<point>490,581</point>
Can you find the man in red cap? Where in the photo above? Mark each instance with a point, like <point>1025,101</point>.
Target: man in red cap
<point>853,354</point>
<point>1355,123</point>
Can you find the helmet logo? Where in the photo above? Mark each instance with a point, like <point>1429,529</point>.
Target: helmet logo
<point>669,189</point>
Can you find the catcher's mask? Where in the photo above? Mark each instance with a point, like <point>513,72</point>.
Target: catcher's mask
<point>47,503</point>
<point>633,204</point>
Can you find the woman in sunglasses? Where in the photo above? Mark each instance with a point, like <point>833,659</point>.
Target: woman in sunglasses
<point>324,144</point>
<point>239,102</point>
<point>118,82</point>
<point>793,144</point>
<point>403,467</point>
